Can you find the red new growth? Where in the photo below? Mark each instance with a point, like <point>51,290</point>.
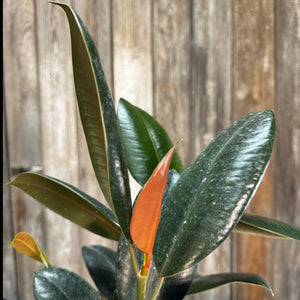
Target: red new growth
<point>146,214</point>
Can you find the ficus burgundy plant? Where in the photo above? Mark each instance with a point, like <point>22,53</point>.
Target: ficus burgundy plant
<point>179,216</point>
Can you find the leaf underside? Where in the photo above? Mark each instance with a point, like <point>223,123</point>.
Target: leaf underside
<point>70,203</point>
<point>267,227</point>
<point>204,283</point>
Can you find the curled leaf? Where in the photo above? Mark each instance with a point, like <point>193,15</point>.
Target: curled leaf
<point>27,245</point>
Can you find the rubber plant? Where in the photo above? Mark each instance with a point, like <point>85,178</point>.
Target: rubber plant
<point>180,215</point>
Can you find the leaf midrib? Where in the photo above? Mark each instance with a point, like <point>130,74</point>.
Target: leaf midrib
<point>150,135</point>
<point>99,106</point>
<point>268,232</point>
<point>102,220</point>
<point>56,286</point>
<point>103,255</point>
<point>198,191</point>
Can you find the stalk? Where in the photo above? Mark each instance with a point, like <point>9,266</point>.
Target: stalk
<point>134,260</point>
<point>140,279</point>
<point>156,292</point>
<point>141,286</point>
<point>45,261</point>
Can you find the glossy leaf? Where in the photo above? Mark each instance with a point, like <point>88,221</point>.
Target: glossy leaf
<point>61,284</point>
<point>204,283</point>
<point>174,287</point>
<point>24,243</point>
<point>70,203</point>
<point>267,227</point>
<point>99,121</point>
<point>100,262</point>
<point>145,142</point>
<point>173,176</point>
<point>146,213</point>
<point>211,195</point>
<point>125,275</point>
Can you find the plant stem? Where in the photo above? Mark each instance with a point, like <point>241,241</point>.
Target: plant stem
<point>141,287</point>
<point>134,260</point>
<point>140,279</point>
<point>46,262</point>
<point>156,292</point>
<point>44,258</point>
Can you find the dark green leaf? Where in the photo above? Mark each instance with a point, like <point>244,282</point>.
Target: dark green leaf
<point>61,284</point>
<point>211,195</point>
<point>70,203</point>
<point>203,283</point>
<point>173,176</point>
<point>174,287</point>
<point>125,276</point>
<point>145,142</point>
<point>99,121</point>
<point>100,262</point>
<point>263,226</point>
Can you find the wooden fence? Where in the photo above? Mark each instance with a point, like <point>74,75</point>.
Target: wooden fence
<point>196,66</point>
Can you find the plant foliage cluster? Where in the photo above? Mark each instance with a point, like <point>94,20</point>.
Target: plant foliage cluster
<point>180,215</point>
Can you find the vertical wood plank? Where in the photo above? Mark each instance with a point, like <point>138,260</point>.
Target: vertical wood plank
<point>21,81</point>
<point>58,111</point>
<point>10,283</point>
<point>287,188</point>
<point>211,95</point>
<point>97,17</point>
<point>132,52</point>
<point>253,48</point>
<point>211,71</point>
<point>171,27</point>
<point>132,61</point>
<point>23,120</point>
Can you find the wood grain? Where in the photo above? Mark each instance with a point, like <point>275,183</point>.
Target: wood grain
<point>10,284</point>
<point>132,52</point>
<point>287,188</point>
<point>171,48</point>
<point>253,75</point>
<point>24,128</point>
